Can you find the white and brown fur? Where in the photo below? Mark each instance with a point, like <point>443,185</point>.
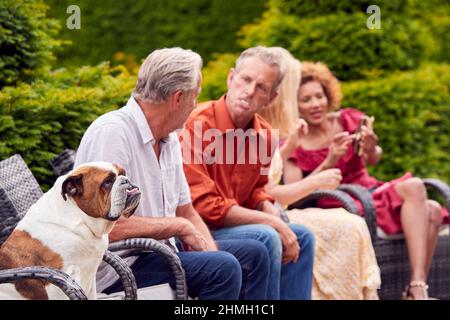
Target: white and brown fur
<point>67,229</point>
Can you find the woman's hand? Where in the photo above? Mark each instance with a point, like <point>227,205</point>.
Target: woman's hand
<point>299,129</point>
<point>327,179</point>
<point>368,141</point>
<point>338,148</point>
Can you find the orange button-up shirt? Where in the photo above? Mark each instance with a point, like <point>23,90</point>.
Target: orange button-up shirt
<point>222,170</point>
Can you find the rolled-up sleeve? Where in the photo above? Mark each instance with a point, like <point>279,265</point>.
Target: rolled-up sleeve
<point>206,197</point>
<point>259,194</point>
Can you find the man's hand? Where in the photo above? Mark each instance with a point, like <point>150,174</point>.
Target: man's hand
<point>291,248</point>
<point>192,239</point>
<point>267,207</point>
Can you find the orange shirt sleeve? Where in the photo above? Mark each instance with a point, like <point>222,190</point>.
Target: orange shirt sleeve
<point>259,194</point>
<point>207,200</point>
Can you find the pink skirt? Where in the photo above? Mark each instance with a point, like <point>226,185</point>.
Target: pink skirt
<point>387,203</point>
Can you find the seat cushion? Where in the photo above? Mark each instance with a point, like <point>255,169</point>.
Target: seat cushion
<point>158,292</point>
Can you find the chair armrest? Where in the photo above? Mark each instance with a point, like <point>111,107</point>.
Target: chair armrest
<point>147,244</point>
<point>365,197</point>
<point>125,273</point>
<point>347,202</point>
<point>56,277</point>
<point>441,187</point>
<point>63,162</point>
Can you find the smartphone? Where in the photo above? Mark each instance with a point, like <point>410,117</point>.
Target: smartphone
<point>356,149</point>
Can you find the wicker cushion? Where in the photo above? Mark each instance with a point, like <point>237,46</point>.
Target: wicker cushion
<point>19,183</point>
<point>443,231</point>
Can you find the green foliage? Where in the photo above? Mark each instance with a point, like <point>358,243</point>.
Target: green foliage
<point>440,27</point>
<point>26,40</point>
<point>344,42</point>
<point>215,76</point>
<point>40,120</point>
<point>412,120</point>
<point>308,8</point>
<point>138,27</point>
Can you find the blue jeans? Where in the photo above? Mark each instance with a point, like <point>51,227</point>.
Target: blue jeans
<point>292,281</point>
<point>239,270</point>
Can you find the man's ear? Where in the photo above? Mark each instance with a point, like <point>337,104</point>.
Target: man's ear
<point>230,77</point>
<point>73,185</point>
<point>176,98</point>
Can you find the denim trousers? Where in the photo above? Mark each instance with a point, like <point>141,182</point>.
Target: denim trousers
<point>292,281</point>
<point>238,271</point>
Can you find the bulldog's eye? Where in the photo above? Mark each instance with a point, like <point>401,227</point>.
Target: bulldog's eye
<point>108,183</point>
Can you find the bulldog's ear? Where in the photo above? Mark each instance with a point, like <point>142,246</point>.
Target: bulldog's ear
<point>120,169</point>
<point>73,185</point>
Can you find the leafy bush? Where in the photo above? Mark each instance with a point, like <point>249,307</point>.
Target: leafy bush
<point>139,27</point>
<point>26,40</point>
<point>440,27</point>
<point>307,8</point>
<point>412,112</point>
<point>344,42</point>
<point>40,120</point>
<point>215,76</point>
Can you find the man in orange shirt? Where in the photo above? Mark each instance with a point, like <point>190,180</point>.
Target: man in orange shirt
<point>227,149</point>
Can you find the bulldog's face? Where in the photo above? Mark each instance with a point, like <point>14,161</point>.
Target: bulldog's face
<point>102,190</point>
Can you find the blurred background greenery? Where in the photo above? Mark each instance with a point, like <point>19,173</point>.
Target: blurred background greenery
<point>54,81</point>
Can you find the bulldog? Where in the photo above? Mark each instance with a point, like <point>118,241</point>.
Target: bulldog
<point>67,229</point>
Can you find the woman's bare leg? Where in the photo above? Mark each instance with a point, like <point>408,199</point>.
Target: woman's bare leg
<point>435,221</point>
<point>415,222</point>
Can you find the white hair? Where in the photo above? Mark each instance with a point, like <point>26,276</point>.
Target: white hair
<point>269,56</point>
<point>166,70</point>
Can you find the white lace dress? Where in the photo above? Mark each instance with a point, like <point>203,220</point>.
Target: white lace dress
<point>345,266</point>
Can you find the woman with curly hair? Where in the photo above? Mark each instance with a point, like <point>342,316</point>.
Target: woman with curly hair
<point>345,266</point>
<point>345,140</point>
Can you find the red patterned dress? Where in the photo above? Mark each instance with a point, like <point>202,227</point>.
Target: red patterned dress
<point>386,199</point>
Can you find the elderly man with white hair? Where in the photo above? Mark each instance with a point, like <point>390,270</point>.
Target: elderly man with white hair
<point>141,138</point>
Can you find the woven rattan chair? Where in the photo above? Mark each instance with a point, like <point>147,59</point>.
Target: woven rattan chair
<point>18,191</point>
<point>392,253</point>
<point>62,164</point>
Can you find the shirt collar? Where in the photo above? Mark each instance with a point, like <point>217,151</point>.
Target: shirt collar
<point>139,117</point>
<point>223,118</point>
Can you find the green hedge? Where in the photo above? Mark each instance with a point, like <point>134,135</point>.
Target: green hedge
<point>412,119</point>
<point>40,120</point>
<point>308,8</point>
<point>26,40</point>
<point>138,27</point>
<point>215,76</point>
<point>344,42</point>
